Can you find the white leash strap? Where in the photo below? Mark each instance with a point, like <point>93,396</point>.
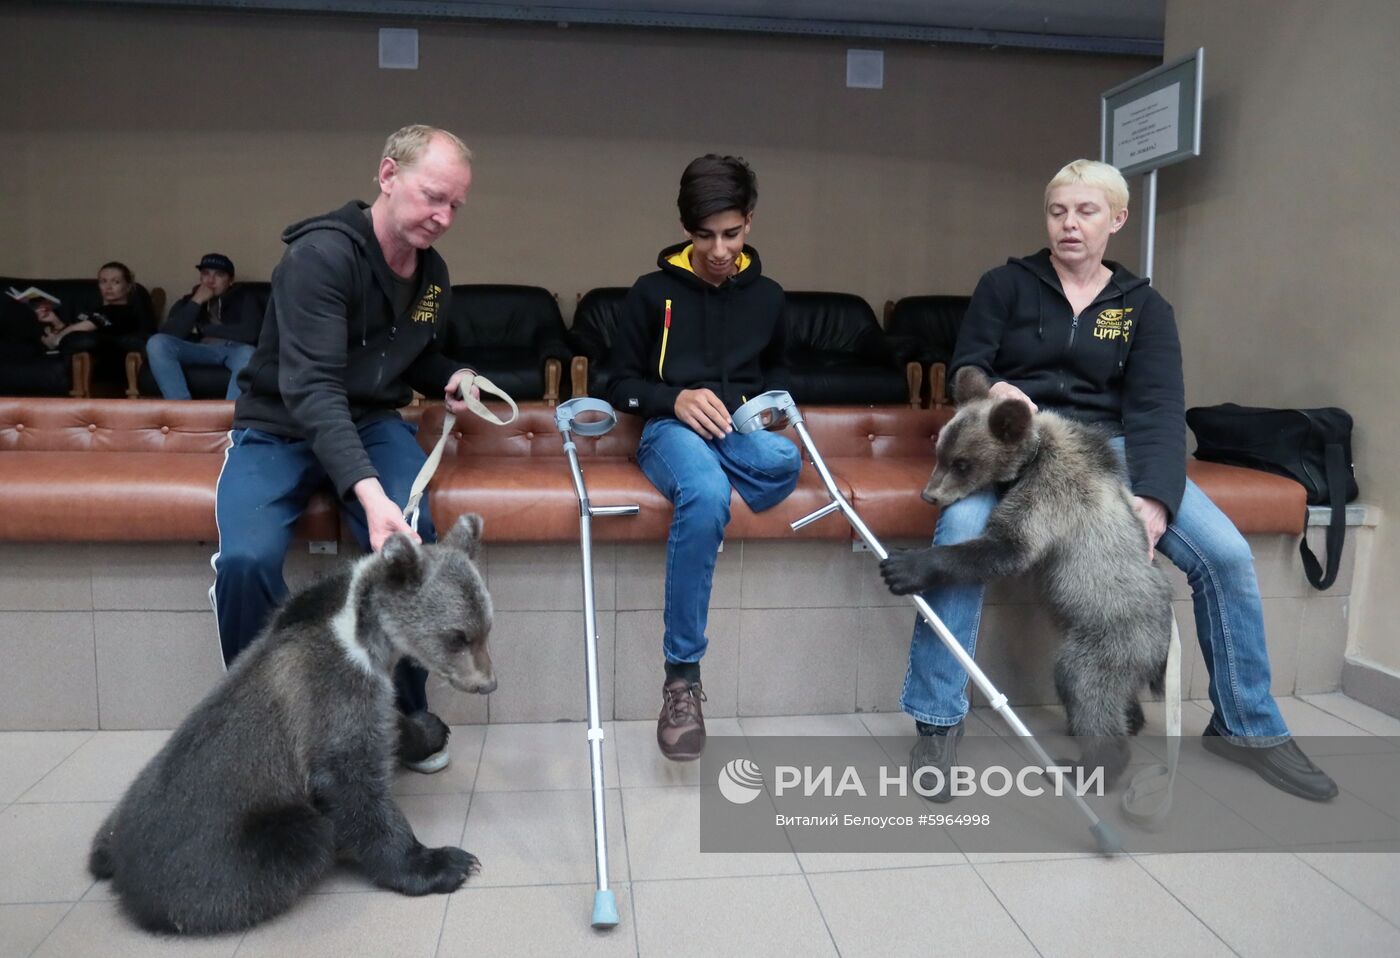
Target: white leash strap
<point>1156,780</point>
<point>425,475</point>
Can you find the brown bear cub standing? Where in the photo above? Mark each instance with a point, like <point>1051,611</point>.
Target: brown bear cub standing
<point>1067,516</point>
<point>286,766</point>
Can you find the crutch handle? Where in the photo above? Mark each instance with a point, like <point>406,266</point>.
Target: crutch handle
<point>567,416</point>
<point>771,410</point>
<point>631,510</point>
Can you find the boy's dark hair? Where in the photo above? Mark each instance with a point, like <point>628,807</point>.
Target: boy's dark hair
<point>126,270</point>
<point>713,184</point>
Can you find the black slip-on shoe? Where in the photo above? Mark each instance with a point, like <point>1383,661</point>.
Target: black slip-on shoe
<point>1284,766</point>
<point>938,749</point>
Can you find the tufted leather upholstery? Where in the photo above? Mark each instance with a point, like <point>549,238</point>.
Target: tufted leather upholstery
<point>145,470</point>
<point>837,353</point>
<point>591,336</point>
<point>102,470</point>
<point>513,335</point>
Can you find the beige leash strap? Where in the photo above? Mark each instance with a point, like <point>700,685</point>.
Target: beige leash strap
<point>1156,780</point>
<point>425,475</point>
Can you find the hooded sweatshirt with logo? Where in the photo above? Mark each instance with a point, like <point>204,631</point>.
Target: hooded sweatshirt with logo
<point>679,332</point>
<point>1117,364</point>
<point>335,353</point>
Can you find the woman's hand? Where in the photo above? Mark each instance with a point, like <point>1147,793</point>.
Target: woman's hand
<point>1004,390</point>
<point>1153,516</point>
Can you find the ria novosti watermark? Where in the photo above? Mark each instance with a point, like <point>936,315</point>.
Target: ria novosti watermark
<point>741,780</point>
<point>869,794</point>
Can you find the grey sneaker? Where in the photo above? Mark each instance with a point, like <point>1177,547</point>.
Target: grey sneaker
<point>938,750</point>
<point>680,730</point>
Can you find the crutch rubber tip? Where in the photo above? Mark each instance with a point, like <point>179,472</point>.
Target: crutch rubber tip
<point>1106,838</point>
<point>604,908</point>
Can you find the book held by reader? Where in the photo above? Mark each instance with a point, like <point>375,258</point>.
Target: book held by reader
<point>31,295</point>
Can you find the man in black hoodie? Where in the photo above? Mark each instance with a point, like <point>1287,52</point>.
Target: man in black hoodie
<point>217,324</point>
<point>351,332</point>
<point>697,338</point>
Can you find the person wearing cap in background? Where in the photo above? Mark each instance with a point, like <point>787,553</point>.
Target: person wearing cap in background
<point>217,324</point>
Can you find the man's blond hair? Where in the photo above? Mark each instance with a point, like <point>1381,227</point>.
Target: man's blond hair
<point>1098,175</point>
<point>406,146</point>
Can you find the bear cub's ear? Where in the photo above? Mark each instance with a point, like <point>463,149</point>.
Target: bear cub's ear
<point>403,561</point>
<point>1009,421</point>
<point>969,384</point>
<point>465,535</point>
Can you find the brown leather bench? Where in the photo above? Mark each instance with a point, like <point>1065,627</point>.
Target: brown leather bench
<point>119,470</point>
<point>517,477</point>
<point>92,470</point>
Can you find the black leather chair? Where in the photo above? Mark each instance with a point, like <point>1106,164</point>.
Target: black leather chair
<point>205,382</point>
<point>838,355</point>
<point>512,335</point>
<point>591,337</point>
<point>926,328</point>
<point>89,362</point>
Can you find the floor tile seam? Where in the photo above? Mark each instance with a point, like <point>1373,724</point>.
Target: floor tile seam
<point>1275,844</point>
<point>816,903</point>
<point>1346,892</point>
<point>466,889</point>
<point>71,906</point>
<point>977,870</point>
<point>1324,708</point>
<point>92,733</point>
<point>627,858</point>
<point>1189,910</point>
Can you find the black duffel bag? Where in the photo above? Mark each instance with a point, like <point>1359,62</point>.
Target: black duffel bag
<point>1311,446</point>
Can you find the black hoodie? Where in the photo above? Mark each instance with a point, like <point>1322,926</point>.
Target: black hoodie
<point>333,355</point>
<point>728,338</point>
<point>1117,364</point>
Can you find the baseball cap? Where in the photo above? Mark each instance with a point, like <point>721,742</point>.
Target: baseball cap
<point>216,261</point>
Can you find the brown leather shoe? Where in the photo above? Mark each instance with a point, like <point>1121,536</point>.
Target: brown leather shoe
<point>680,731</point>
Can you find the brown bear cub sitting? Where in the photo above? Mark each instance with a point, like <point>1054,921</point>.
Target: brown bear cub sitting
<point>1067,516</point>
<point>285,767</point>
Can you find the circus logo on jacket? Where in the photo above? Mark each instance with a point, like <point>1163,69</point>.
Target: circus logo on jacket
<point>427,309</point>
<point>1113,323</point>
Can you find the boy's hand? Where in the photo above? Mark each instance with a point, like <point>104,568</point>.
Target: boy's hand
<point>701,410</point>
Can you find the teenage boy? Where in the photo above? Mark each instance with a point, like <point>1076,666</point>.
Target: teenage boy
<point>698,337</point>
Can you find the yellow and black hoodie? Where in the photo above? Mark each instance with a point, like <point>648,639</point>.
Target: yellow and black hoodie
<point>679,332</point>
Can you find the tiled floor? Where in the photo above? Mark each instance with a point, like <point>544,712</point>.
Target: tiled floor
<point>517,796</point>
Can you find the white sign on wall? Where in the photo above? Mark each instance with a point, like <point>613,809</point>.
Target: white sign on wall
<point>1148,127</point>
<point>1154,120</point>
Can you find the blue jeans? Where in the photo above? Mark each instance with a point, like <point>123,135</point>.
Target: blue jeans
<point>695,474</point>
<point>1202,542</point>
<point>262,492</point>
<point>168,355</point>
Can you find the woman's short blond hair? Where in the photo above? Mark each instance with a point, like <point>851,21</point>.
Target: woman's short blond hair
<point>406,146</point>
<point>1092,173</point>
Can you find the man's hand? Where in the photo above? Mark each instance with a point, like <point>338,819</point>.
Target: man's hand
<point>456,405</point>
<point>1153,516</point>
<point>382,514</point>
<point>701,410</point>
<point>1004,390</point>
<point>202,294</point>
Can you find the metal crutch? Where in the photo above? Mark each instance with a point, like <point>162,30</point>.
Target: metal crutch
<point>773,410</point>
<point>567,417</point>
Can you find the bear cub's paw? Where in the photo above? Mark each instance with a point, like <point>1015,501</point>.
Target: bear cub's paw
<point>905,571</point>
